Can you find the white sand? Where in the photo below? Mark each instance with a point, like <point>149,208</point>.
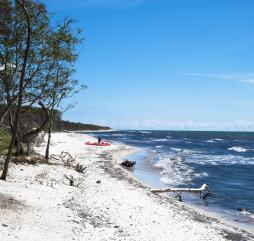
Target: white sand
<point>37,204</point>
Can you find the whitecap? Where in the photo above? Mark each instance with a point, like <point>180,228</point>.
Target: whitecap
<point>158,147</point>
<point>237,149</point>
<point>176,149</point>
<point>174,171</point>
<point>215,160</point>
<point>247,213</point>
<point>214,140</point>
<point>202,174</point>
<point>164,139</point>
<point>210,141</point>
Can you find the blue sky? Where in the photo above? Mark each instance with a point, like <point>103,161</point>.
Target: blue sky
<point>164,64</point>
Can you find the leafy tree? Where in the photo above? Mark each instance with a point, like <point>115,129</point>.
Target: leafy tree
<point>38,62</point>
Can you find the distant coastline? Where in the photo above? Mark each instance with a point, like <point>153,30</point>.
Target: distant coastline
<point>77,126</point>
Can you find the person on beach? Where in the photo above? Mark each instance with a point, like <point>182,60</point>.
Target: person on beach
<point>99,140</point>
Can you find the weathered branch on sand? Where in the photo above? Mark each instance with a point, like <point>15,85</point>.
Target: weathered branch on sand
<point>72,181</point>
<point>203,191</point>
<point>204,187</point>
<point>65,157</point>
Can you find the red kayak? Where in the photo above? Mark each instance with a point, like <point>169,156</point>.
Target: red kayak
<point>96,143</point>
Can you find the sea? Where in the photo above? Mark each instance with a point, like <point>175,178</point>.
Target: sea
<point>223,160</point>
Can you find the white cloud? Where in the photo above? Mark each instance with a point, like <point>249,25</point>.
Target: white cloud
<point>155,124</point>
<point>247,78</point>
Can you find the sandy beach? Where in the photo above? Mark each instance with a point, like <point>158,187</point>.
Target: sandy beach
<point>38,204</point>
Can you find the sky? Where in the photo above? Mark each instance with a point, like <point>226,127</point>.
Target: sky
<point>164,64</point>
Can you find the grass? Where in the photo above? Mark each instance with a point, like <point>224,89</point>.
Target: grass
<point>4,141</point>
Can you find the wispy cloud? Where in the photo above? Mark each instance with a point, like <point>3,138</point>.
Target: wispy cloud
<point>155,124</point>
<point>243,77</point>
<point>248,81</point>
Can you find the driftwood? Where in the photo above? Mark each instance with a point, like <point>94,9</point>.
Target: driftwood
<point>65,157</point>
<point>178,191</point>
<point>72,181</point>
<point>128,163</point>
<point>80,168</point>
<point>195,190</point>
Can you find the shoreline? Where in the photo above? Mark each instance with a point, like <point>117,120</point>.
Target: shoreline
<point>109,204</point>
<point>156,183</point>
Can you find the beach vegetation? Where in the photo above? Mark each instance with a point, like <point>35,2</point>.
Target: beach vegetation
<point>4,141</point>
<point>37,64</point>
<point>80,168</point>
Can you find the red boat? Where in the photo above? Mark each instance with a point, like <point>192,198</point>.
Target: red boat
<point>96,143</point>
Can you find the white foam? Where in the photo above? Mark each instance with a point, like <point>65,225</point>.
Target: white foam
<point>210,141</point>
<point>237,149</point>
<point>217,160</point>
<point>158,147</point>
<point>214,140</point>
<point>145,132</point>
<point>163,139</point>
<point>202,174</point>
<point>176,149</point>
<point>175,171</point>
<point>121,134</point>
<point>184,151</point>
<point>248,214</point>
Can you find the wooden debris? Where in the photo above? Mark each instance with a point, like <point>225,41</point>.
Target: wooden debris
<point>80,168</point>
<point>203,191</point>
<point>127,163</point>
<point>73,182</point>
<point>65,157</point>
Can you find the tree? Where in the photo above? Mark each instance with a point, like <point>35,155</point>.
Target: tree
<point>20,89</point>
<point>38,67</point>
<point>62,86</point>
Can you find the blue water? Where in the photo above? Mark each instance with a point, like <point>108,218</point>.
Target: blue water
<point>223,160</point>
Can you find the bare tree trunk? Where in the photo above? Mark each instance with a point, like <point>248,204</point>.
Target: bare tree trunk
<point>20,94</point>
<point>49,130</point>
<point>18,145</point>
<point>27,137</point>
<point>28,148</point>
<point>4,114</point>
<point>49,137</point>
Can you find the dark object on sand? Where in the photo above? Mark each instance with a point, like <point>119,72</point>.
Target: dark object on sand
<point>127,163</point>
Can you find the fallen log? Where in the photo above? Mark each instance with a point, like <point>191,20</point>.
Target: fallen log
<point>204,187</point>
<point>203,191</point>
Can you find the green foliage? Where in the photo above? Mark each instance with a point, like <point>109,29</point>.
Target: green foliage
<point>4,141</point>
<point>73,126</point>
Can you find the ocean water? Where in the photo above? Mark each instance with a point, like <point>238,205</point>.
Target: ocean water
<point>223,160</point>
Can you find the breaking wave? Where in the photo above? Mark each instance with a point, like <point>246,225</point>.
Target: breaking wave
<point>174,171</point>
<point>237,149</point>
<point>244,215</point>
<point>157,140</point>
<point>217,160</point>
<point>158,147</point>
<point>214,140</point>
